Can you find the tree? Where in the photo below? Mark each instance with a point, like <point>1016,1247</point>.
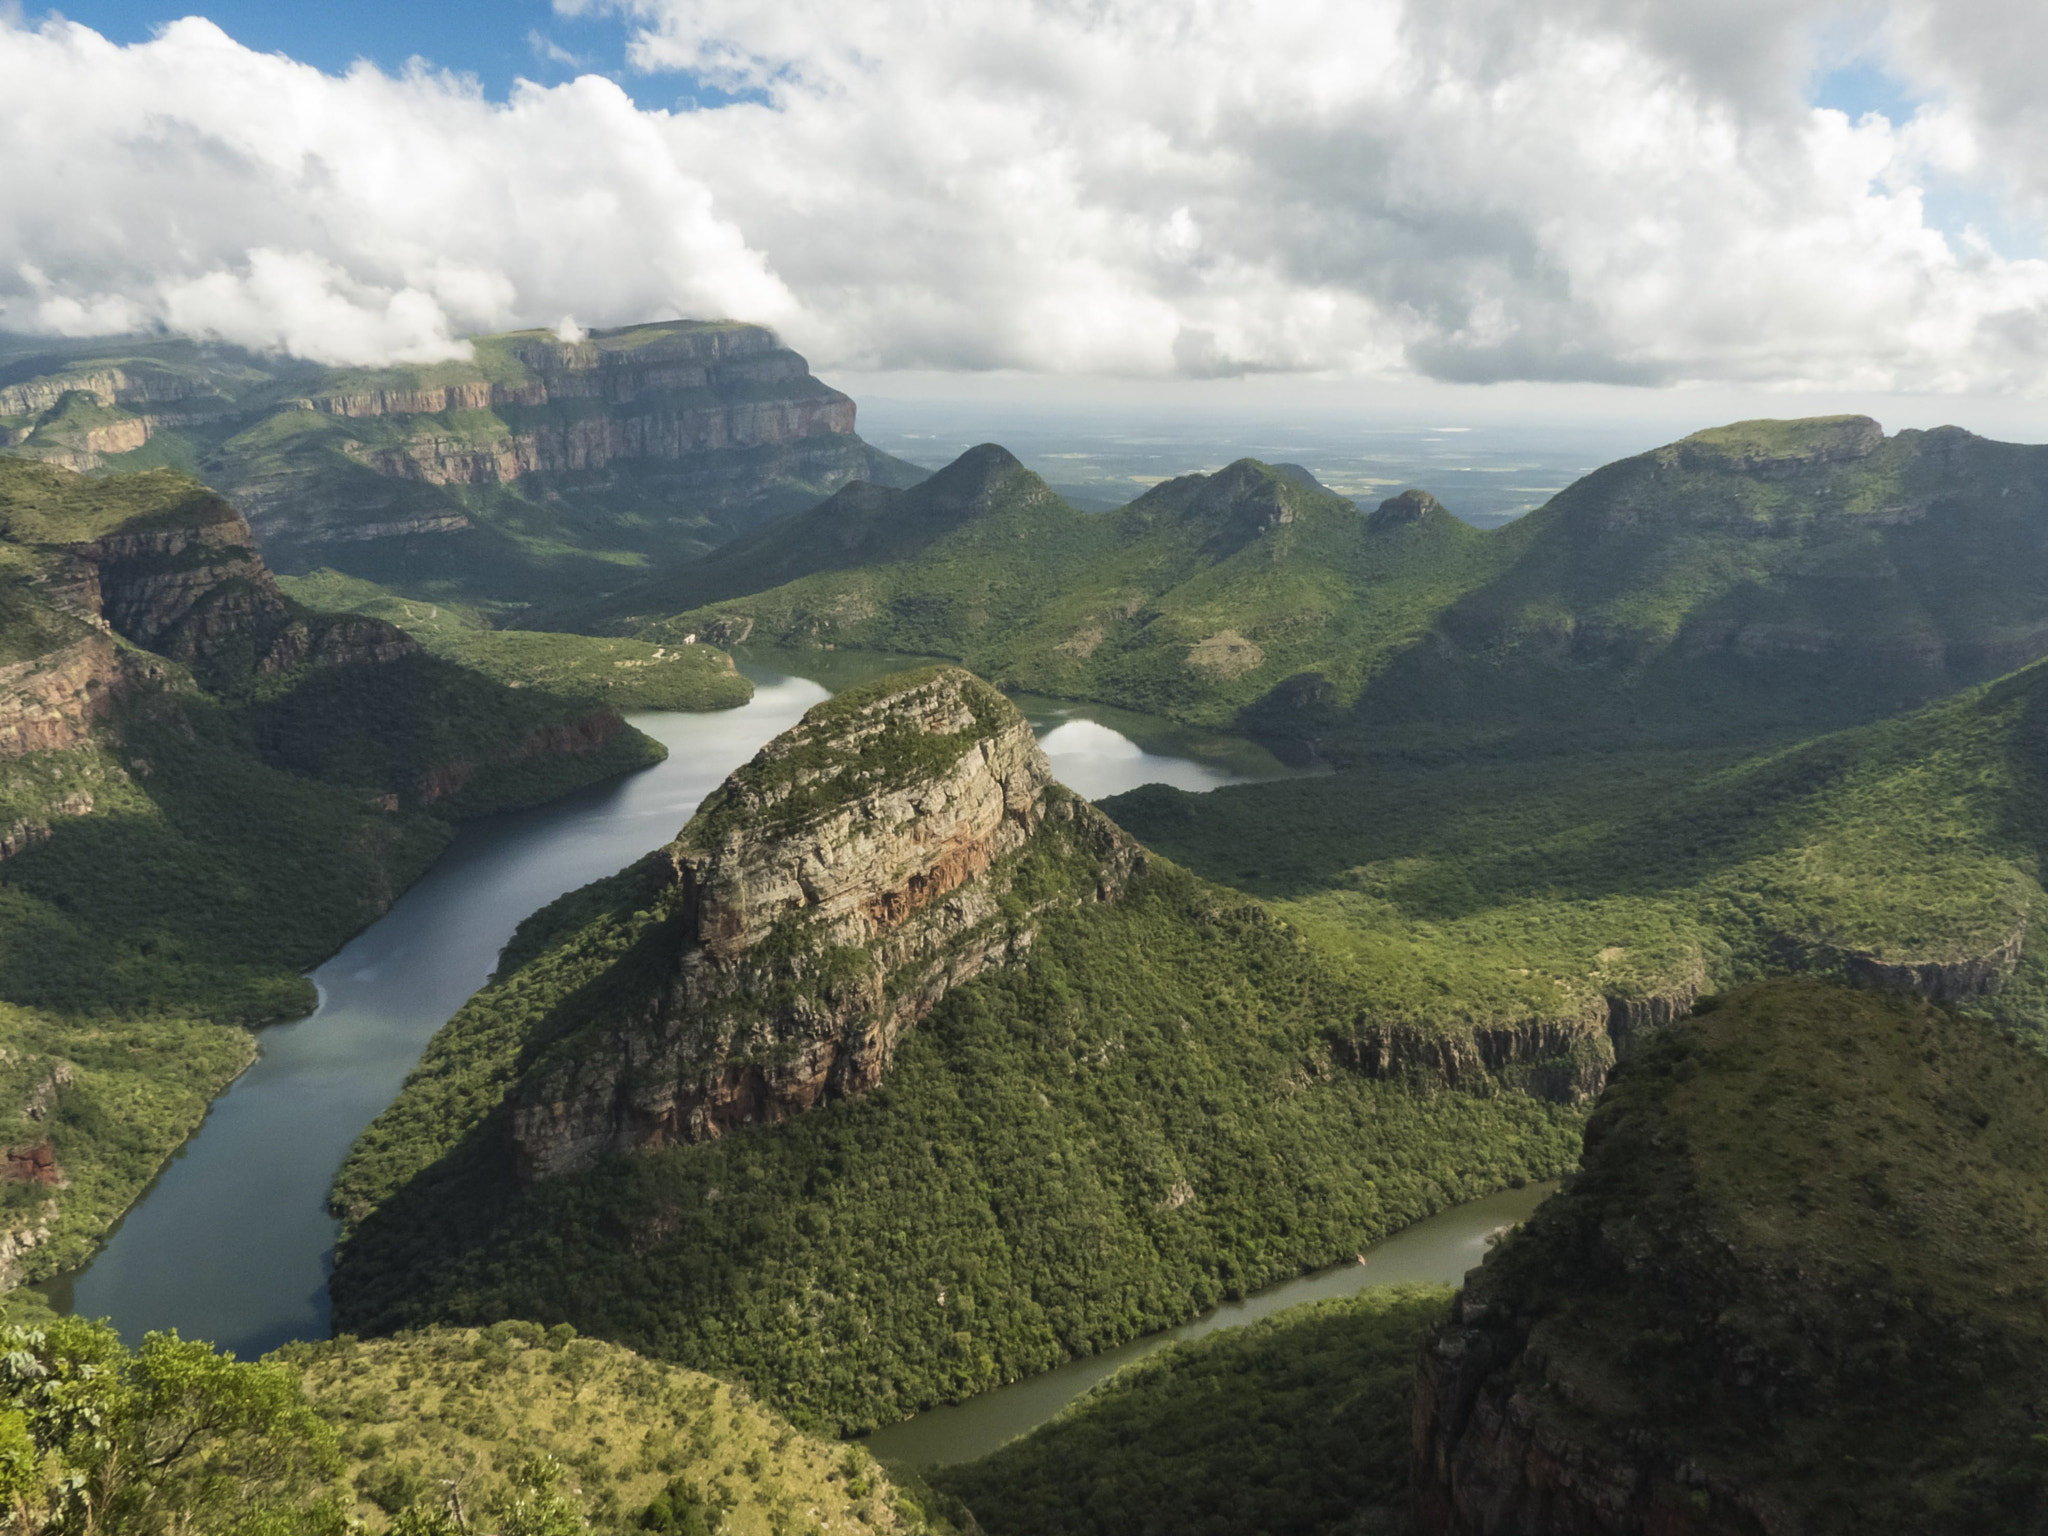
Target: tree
<point>174,1437</point>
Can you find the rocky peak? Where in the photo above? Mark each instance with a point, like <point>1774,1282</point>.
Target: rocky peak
<point>822,901</point>
<point>978,481</point>
<point>1411,506</point>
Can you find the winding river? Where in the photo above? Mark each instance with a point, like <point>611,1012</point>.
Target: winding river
<point>233,1241</point>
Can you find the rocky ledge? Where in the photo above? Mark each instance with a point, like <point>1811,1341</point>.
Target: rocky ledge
<point>822,902</point>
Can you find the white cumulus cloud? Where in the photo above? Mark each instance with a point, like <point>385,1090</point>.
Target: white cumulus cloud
<point>1609,190</point>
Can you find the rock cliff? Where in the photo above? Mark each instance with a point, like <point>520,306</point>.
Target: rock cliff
<point>1565,1057</point>
<point>1795,1289</point>
<point>187,582</point>
<point>823,901</point>
<point>663,392</point>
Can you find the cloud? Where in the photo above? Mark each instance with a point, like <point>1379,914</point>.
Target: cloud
<point>1630,191</point>
<point>192,183</point>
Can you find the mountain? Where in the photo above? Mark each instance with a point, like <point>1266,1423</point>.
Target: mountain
<point>1756,582</point>
<point>536,468</point>
<point>1796,1286</point>
<point>901,1073</point>
<point>205,789</point>
<point>1767,577</point>
<point>1195,600</point>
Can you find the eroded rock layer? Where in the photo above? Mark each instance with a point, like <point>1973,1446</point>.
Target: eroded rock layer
<point>824,900</point>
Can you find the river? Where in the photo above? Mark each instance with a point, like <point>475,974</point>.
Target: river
<point>233,1241</point>
<point>1436,1251</point>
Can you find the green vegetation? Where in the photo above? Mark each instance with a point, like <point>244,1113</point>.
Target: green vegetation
<point>626,674</point>
<point>532,1433</point>
<point>105,1100</point>
<point>1196,600</point>
<point>1751,584</point>
<point>460,1418</point>
<point>1484,889</point>
<point>817,764</point>
<point>1296,1425</point>
<point>167,1439</point>
<point>1142,1119</point>
<point>1804,1257</point>
<point>177,850</point>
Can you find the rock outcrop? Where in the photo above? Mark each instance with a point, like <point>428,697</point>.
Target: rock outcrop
<point>1409,507</point>
<point>188,583</point>
<point>823,901</point>
<point>1565,1057</point>
<point>50,703</point>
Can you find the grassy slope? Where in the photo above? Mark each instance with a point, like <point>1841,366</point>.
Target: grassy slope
<point>1139,1121</point>
<point>136,1088</point>
<point>1296,1425</point>
<point>1854,1187</point>
<point>1487,885</point>
<point>626,674</point>
<point>425,1411</point>
<point>1197,600</point>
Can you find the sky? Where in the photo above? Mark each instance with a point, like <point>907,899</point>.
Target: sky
<point>1655,206</point>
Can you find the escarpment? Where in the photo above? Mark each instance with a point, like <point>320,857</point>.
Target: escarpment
<point>1805,1233</point>
<point>822,902</point>
<point>1565,1057</point>
<point>661,393</point>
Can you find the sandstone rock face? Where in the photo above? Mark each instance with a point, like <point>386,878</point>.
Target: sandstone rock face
<point>681,394</point>
<point>50,703</point>
<point>107,386</point>
<point>197,591</point>
<point>824,900</point>
<point>1565,1058</point>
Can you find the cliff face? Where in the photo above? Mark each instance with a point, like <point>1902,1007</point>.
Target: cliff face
<point>51,703</point>
<point>1565,1057</point>
<point>1775,1276</point>
<point>823,901</point>
<point>196,590</point>
<point>684,392</point>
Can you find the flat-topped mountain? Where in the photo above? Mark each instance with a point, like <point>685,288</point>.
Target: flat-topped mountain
<point>824,900</point>
<point>1796,1288</point>
<point>1757,579</point>
<point>514,475</point>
